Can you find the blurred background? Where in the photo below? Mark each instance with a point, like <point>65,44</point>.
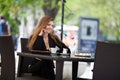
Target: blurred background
<point>22,17</point>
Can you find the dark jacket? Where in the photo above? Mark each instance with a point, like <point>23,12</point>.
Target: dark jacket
<point>40,45</point>
<point>45,68</point>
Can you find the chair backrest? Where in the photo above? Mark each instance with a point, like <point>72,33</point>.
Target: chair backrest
<point>7,58</point>
<point>107,61</point>
<point>23,61</point>
<point>24,42</point>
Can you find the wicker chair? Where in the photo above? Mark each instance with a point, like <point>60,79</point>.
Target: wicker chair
<point>23,61</point>
<point>107,61</point>
<point>7,58</point>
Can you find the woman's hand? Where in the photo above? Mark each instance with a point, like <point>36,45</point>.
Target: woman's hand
<point>41,33</point>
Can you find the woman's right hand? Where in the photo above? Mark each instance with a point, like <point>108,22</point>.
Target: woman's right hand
<point>41,33</point>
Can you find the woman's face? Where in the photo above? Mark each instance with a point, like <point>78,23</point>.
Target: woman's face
<point>49,27</point>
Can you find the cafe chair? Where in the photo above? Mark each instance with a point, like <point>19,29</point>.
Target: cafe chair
<point>23,61</point>
<point>7,58</point>
<point>107,61</point>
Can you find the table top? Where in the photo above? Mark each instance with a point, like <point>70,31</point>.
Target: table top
<point>60,57</point>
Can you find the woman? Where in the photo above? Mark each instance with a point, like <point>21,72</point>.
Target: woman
<point>40,42</point>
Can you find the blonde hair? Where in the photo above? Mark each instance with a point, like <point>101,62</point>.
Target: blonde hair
<point>42,23</point>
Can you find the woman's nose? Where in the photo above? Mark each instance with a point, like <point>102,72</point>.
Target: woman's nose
<point>51,26</point>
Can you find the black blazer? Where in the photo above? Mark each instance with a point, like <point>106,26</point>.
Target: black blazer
<point>40,45</point>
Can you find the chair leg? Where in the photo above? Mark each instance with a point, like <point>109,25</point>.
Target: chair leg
<point>83,79</point>
<point>19,73</point>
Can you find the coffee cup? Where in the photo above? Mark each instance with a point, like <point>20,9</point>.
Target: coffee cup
<point>64,50</point>
<point>53,50</point>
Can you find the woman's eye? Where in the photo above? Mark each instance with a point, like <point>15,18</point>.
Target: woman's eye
<point>50,25</point>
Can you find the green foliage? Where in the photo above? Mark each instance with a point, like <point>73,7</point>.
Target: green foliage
<point>112,41</point>
<point>10,13</point>
<point>106,11</point>
<point>14,10</point>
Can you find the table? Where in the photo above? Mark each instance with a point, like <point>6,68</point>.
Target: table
<point>60,62</point>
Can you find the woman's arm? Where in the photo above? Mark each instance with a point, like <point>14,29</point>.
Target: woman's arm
<point>63,45</point>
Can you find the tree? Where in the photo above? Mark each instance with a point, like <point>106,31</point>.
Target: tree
<point>106,11</point>
<point>51,7</point>
<point>13,10</point>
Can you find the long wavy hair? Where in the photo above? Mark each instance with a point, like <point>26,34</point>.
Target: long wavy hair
<point>42,23</point>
